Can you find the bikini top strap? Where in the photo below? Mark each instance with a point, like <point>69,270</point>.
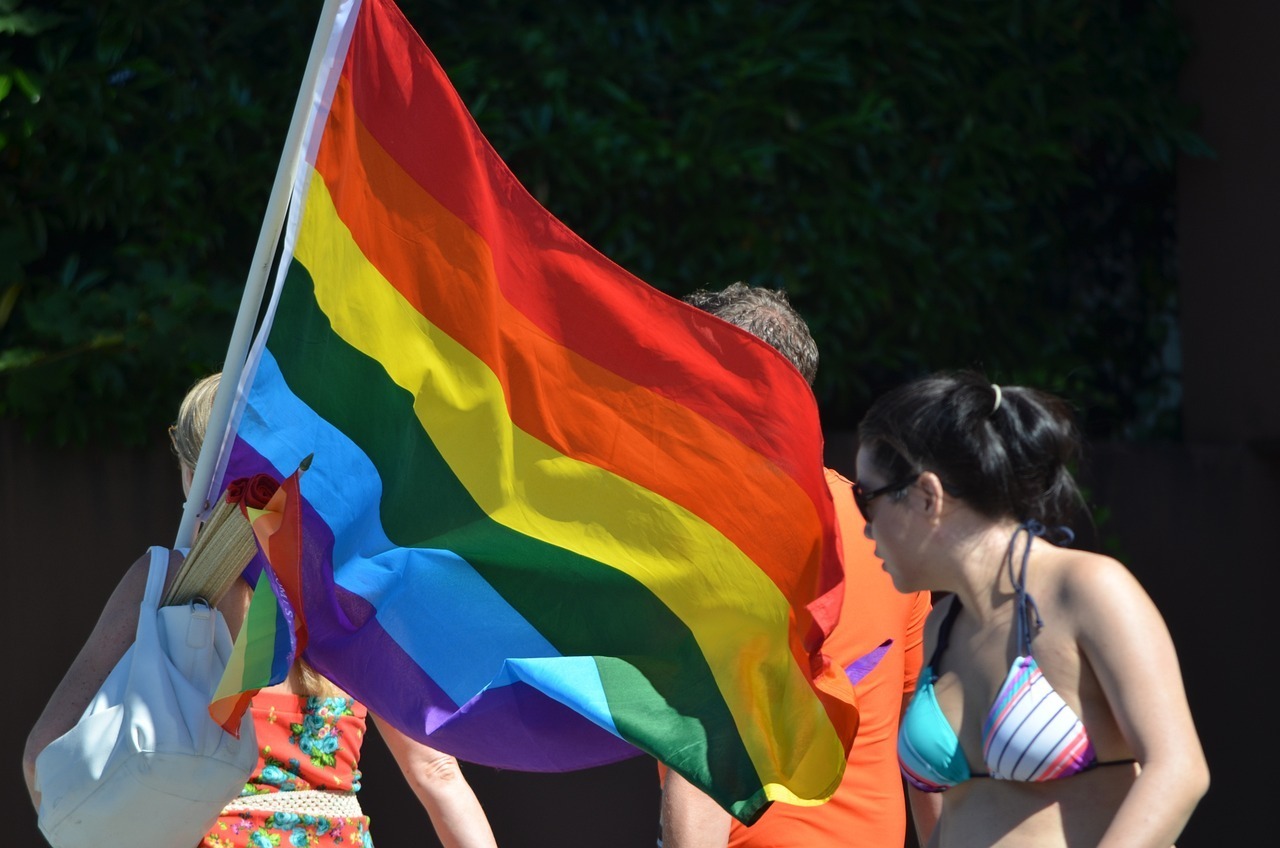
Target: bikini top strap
<point>1028,614</point>
<point>944,632</point>
<point>1027,618</point>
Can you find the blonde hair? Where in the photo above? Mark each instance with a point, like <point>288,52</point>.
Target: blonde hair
<point>315,684</point>
<point>187,433</point>
<point>186,436</point>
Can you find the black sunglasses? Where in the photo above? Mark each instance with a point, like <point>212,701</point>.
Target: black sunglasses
<point>863,498</point>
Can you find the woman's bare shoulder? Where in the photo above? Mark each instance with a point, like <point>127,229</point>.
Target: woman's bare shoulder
<point>1100,593</point>
<point>134,581</point>
<point>1080,573</point>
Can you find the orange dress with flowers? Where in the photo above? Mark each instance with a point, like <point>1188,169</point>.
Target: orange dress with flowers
<point>306,745</point>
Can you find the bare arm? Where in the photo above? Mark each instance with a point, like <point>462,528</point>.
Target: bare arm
<point>111,637</point>
<point>926,809</point>
<point>440,785</point>
<point>1126,641</point>
<point>690,819</point>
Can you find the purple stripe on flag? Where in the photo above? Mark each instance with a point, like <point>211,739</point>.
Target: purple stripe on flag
<point>540,733</point>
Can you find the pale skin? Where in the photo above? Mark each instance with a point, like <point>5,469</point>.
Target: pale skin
<point>690,819</point>
<point>435,777</point>
<point>1104,647</point>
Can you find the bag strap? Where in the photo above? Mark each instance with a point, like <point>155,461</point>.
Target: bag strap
<point>155,577</point>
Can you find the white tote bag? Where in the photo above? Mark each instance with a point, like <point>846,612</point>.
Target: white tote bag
<point>145,764</point>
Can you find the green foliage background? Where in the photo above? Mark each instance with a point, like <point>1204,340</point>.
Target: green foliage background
<point>935,184</point>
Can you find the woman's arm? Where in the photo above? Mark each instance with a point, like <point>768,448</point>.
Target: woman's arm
<point>1127,643</point>
<point>440,785</point>
<point>111,637</point>
<point>925,808</point>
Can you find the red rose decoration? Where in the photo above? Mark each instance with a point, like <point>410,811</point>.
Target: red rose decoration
<point>252,492</point>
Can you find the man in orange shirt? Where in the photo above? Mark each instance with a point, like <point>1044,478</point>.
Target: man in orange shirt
<point>879,637</point>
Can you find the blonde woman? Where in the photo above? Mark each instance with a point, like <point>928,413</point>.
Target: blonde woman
<point>304,787</point>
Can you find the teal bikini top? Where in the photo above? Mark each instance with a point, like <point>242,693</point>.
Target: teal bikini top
<point>1029,734</point>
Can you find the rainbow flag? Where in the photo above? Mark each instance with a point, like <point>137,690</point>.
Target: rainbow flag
<point>272,634</point>
<point>555,518</point>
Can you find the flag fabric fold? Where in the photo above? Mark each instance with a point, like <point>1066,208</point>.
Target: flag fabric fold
<point>271,635</point>
<point>555,518</point>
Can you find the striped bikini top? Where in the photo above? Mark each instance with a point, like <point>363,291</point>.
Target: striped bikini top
<point>1029,734</point>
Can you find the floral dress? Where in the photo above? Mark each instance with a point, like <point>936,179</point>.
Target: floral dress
<point>304,743</point>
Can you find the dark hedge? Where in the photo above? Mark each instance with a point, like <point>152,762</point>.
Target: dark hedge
<point>935,184</point>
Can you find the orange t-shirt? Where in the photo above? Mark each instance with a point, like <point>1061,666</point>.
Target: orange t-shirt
<point>869,809</point>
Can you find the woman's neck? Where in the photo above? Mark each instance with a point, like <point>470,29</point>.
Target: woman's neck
<point>980,549</point>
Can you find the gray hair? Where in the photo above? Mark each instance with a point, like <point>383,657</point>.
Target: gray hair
<point>766,314</point>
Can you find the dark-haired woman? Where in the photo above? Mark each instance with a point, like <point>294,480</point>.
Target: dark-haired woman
<point>1052,710</point>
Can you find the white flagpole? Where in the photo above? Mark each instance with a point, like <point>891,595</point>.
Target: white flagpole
<point>197,503</point>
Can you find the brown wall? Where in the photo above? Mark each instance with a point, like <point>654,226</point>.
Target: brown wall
<point>1201,511</point>
<point>1228,209</point>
